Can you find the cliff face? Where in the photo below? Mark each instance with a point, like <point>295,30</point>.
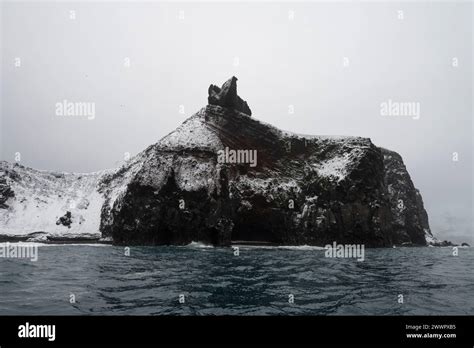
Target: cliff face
<point>223,176</point>
<point>410,220</point>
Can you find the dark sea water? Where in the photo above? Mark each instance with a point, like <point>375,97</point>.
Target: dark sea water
<point>257,282</point>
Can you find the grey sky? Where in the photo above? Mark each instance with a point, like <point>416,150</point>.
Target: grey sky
<point>282,62</point>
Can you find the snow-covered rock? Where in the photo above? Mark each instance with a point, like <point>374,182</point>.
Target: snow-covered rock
<point>40,198</point>
<point>303,190</point>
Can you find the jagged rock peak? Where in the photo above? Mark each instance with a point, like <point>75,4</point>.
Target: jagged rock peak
<point>226,96</point>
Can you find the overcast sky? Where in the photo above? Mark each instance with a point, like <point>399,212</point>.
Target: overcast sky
<point>334,63</point>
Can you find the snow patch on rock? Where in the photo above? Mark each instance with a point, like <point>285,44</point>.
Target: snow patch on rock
<point>42,197</point>
<point>192,134</point>
<point>336,167</point>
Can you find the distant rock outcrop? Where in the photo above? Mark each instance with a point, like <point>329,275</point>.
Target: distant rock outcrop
<point>226,96</point>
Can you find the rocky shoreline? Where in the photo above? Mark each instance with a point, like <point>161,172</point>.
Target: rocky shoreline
<point>83,240</point>
<point>44,238</point>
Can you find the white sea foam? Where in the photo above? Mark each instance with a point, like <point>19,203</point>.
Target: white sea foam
<point>35,244</point>
<point>199,245</point>
<point>284,247</point>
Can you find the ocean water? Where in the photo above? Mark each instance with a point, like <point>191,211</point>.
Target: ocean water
<point>257,282</point>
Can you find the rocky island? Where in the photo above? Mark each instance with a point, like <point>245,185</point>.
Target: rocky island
<point>311,190</point>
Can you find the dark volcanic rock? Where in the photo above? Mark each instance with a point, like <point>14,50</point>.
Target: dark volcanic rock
<point>5,192</point>
<point>444,243</point>
<point>227,96</point>
<point>65,220</point>
<point>303,190</point>
<point>410,220</point>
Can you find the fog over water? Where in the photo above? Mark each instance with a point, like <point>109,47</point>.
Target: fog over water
<point>333,64</point>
